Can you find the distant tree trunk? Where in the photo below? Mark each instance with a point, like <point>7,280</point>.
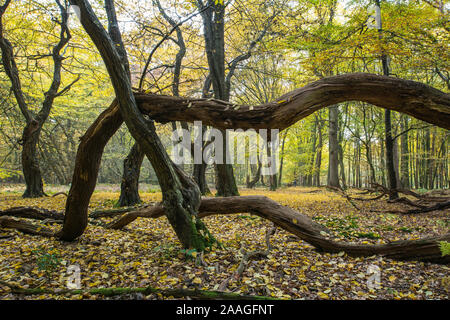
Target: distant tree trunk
<point>318,162</point>
<point>199,172</point>
<point>282,157</point>
<point>396,159</point>
<point>214,33</point>
<point>313,153</point>
<point>358,182</point>
<point>383,163</point>
<point>404,150</point>
<point>256,170</point>
<point>392,177</point>
<point>129,187</point>
<point>341,165</point>
<point>30,163</point>
<point>333,176</point>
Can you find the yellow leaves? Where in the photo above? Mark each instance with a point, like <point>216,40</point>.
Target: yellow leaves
<point>94,284</point>
<point>197,280</point>
<point>323,295</point>
<point>135,257</point>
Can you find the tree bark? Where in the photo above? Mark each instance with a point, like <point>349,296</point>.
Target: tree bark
<point>213,24</point>
<point>181,196</point>
<point>413,98</point>
<point>333,165</point>
<point>30,162</point>
<point>129,187</point>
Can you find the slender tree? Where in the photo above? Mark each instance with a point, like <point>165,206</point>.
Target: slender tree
<point>34,121</point>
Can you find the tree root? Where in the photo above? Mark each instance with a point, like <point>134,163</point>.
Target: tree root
<point>59,193</point>
<point>108,292</point>
<point>423,209</point>
<point>442,202</point>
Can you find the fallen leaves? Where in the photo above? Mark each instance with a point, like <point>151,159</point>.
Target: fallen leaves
<point>148,253</point>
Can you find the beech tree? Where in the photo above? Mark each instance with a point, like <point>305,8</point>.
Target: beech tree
<point>34,121</point>
<point>182,203</point>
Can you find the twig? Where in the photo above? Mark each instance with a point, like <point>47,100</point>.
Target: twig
<point>247,256</point>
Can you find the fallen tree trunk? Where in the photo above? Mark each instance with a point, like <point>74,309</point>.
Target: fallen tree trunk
<point>112,212</point>
<point>32,213</point>
<point>25,227</point>
<point>438,206</point>
<point>303,227</point>
<point>109,292</point>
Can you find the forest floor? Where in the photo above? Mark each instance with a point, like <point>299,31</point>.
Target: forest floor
<point>147,253</point>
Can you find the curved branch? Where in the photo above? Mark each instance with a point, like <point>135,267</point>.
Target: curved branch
<point>413,98</point>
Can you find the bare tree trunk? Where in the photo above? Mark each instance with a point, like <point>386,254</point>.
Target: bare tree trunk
<point>333,167</point>
<point>213,22</point>
<point>30,163</point>
<point>181,196</point>
<point>404,150</point>
<point>129,187</point>
<point>282,157</point>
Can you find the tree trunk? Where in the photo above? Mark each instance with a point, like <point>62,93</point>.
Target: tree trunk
<point>30,163</point>
<point>318,162</point>
<point>333,176</point>
<point>392,177</point>
<point>129,187</point>
<point>404,151</point>
<point>181,196</point>
<point>199,174</point>
<point>213,23</point>
<point>282,157</point>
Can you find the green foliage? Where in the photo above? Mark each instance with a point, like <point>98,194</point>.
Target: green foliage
<point>345,227</point>
<point>368,235</point>
<point>405,229</point>
<point>6,173</point>
<point>445,248</point>
<point>47,261</point>
<point>189,253</point>
<point>167,251</point>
